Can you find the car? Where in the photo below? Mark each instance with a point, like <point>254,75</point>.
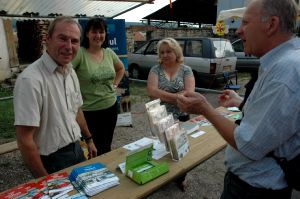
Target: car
<point>245,63</point>
<point>212,60</point>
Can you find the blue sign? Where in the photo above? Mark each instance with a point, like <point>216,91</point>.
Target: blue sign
<point>117,35</point>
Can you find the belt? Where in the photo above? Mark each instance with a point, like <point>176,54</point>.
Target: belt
<point>69,147</point>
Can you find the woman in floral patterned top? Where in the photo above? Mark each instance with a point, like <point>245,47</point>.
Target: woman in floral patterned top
<point>170,77</point>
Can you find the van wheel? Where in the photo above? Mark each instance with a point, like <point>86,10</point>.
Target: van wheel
<point>134,72</point>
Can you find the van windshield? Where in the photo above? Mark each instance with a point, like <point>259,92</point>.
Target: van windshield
<point>223,49</point>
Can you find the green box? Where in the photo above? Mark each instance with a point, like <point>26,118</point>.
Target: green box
<point>140,167</point>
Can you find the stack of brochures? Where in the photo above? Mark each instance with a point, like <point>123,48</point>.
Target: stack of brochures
<point>53,186</point>
<point>58,184</point>
<point>189,126</point>
<point>93,178</point>
<point>28,190</point>
<point>170,133</point>
<point>178,141</point>
<point>159,120</point>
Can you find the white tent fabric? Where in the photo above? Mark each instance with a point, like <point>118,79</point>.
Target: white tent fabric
<point>108,9</point>
<point>231,14</point>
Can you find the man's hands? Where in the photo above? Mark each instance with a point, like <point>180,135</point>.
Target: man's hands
<point>196,103</point>
<point>192,102</point>
<point>91,149</point>
<point>229,98</point>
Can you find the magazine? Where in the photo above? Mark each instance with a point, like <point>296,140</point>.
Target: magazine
<point>93,178</point>
<point>24,191</point>
<point>58,184</point>
<point>155,113</point>
<point>161,126</point>
<point>201,121</point>
<point>178,141</point>
<point>189,126</point>
<point>43,188</point>
<point>17,192</point>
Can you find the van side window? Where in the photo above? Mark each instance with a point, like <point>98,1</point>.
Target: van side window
<point>152,48</point>
<point>238,46</point>
<point>193,49</point>
<point>223,48</point>
<point>181,43</point>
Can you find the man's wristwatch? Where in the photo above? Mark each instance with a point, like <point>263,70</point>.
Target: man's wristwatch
<point>88,138</point>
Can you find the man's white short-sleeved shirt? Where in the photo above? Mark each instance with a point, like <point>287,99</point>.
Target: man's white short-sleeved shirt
<point>49,100</point>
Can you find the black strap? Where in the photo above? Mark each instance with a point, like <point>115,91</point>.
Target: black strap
<point>249,86</point>
<point>280,160</point>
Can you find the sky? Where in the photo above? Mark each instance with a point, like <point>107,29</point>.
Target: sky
<point>137,14</point>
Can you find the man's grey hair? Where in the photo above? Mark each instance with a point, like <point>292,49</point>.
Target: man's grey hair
<point>66,19</point>
<point>286,10</point>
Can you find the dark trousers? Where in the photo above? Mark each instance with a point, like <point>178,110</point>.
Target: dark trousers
<point>65,157</point>
<point>102,125</point>
<point>235,188</point>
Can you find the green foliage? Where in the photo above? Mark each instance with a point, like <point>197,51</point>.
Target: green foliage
<point>6,92</point>
<point>138,88</point>
<point>7,129</point>
<point>138,92</point>
<point>243,76</point>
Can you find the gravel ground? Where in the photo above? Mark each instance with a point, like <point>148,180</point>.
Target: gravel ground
<point>204,181</point>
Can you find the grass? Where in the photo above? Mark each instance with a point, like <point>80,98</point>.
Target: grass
<point>7,130</point>
<point>138,92</point>
<point>243,76</point>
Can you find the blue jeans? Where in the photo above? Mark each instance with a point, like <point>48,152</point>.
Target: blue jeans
<point>65,157</point>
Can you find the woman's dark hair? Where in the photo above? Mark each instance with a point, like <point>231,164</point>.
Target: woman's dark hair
<point>94,24</point>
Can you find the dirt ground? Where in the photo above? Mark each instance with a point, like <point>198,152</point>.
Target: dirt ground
<point>204,181</point>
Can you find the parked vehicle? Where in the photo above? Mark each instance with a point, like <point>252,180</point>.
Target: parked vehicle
<point>245,63</point>
<point>209,58</point>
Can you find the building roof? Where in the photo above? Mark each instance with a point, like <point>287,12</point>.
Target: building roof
<point>193,11</point>
<point>86,8</point>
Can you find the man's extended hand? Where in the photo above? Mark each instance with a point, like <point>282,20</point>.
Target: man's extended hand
<point>229,98</point>
<point>91,149</point>
<point>192,102</point>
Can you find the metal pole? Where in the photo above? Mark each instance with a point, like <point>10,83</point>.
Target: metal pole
<point>196,89</point>
<point>6,98</point>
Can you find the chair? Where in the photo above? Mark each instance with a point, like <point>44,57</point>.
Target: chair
<point>229,85</point>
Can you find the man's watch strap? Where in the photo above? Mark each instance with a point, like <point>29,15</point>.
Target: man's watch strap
<point>88,138</point>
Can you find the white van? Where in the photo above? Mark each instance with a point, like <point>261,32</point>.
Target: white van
<point>212,60</point>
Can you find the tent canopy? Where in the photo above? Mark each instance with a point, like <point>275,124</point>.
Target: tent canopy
<point>193,11</point>
<point>232,13</point>
<point>86,8</point>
